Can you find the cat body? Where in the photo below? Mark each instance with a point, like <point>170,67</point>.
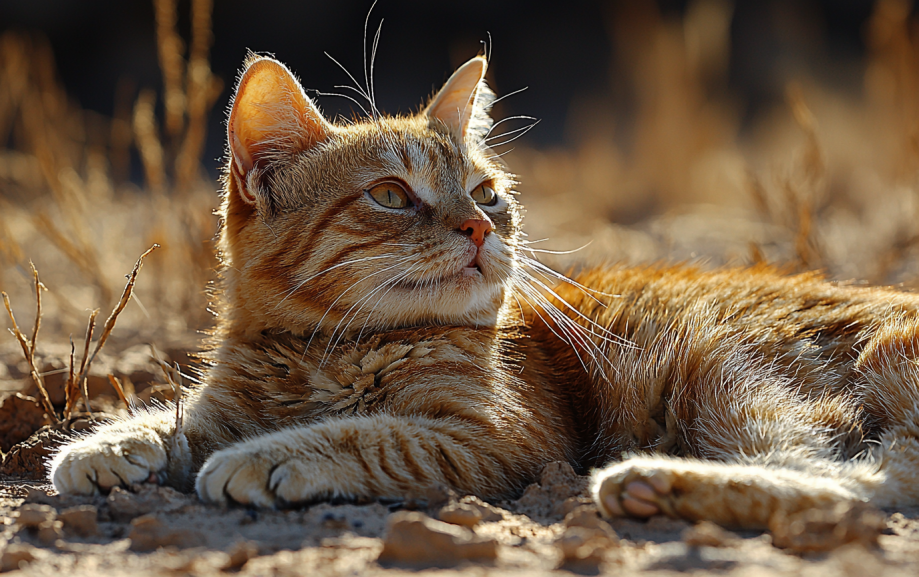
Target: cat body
<point>381,331</point>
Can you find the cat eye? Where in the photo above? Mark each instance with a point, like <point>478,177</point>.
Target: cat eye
<point>390,195</point>
<point>484,195</point>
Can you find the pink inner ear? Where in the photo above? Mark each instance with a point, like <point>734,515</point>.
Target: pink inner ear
<point>271,116</point>
<point>453,104</point>
<point>240,154</point>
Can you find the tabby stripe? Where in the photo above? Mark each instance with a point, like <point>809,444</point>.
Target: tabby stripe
<point>339,256</point>
<point>321,224</point>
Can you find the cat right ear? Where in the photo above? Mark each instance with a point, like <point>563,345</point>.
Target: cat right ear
<point>271,120</point>
<point>464,102</point>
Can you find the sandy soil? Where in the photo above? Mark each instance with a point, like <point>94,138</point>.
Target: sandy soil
<point>157,531</point>
<point>551,529</point>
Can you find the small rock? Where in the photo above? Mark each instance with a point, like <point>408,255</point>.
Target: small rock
<point>149,533</point>
<point>413,538</point>
<point>125,505</point>
<point>557,483</point>
<point>489,512</point>
<point>33,516</point>
<point>40,521</point>
<point>460,514</point>
<point>588,517</point>
<point>16,557</point>
<point>239,554</point>
<point>82,521</point>
<point>583,549</point>
<point>49,533</point>
<point>827,529</point>
<point>707,534</point>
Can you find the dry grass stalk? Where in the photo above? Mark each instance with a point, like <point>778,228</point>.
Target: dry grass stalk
<point>892,79</point>
<point>170,48</point>
<point>148,142</point>
<point>28,345</point>
<point>110,322</point>
<point>69,389</point>
<point>802,198</point>
<point>180,410</point>
<point>202,90</point>
<point>73,385</point>
<point>119,390</point>
<point>176,385</point>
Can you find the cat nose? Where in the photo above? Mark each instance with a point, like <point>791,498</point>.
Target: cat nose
<point>476,229</point>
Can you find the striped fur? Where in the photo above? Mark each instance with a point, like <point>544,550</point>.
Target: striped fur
<point>358,355</point>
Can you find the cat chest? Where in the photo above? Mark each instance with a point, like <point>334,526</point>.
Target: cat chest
<point>375,376</point>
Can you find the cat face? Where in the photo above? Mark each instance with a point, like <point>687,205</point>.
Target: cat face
<point>382,223</point>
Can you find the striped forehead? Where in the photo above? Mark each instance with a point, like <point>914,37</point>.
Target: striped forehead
<point>435,168</point>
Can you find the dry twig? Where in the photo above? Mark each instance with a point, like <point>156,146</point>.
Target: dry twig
<point>28,345</point>
<point>110,322</point>
<point>119,390</point>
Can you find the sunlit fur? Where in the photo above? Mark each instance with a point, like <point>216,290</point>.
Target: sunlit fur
<point>356,354</point>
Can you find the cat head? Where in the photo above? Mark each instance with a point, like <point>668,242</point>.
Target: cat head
<point>378,223</point>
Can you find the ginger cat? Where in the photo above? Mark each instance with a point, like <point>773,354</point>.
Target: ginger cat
<point>381,330</point>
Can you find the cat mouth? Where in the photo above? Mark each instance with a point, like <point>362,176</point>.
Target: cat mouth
<point>471,272</point>
<point>473,267</point>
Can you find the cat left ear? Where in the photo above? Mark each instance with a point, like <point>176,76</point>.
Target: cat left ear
<point>271,119</point>
<point>464,101</point>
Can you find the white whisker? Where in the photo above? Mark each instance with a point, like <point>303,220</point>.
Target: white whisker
<point>341,264</point>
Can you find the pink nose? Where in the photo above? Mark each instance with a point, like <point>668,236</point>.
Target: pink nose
<point>476,229</point>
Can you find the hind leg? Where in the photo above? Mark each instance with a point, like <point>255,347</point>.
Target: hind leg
<point>889,370</point>
<point>765,448</point>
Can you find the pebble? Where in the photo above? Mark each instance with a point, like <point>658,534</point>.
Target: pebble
<point>461,514</point>
<point>82,520</point>
<point>413,538</point>
<point>16,557</point>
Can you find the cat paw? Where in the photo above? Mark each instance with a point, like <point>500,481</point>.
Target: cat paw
<point>100,462</point>
<point>251,477</point>
<point>634,488</point>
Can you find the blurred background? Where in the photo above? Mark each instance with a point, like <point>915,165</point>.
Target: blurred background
<point>704,131</point>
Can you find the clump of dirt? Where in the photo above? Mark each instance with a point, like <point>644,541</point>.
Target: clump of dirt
<point>413,538</point>
<point>20,417</point>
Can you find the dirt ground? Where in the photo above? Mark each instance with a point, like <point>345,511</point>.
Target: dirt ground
<point>157,531</point>
<point>553,528</point>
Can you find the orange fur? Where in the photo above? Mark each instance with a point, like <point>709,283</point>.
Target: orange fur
<point>365,351</point>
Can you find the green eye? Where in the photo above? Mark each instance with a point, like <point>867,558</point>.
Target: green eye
<point>483,194</point>
<point>390,195</point>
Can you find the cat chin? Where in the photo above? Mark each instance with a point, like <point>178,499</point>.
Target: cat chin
<point>464,300</point>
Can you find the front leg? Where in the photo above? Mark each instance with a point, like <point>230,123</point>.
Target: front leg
<point>732,495</point>
<point>358,457</point>
<point>141,449</point>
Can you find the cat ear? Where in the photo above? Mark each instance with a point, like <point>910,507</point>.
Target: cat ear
<point>271,119</point>
<point>464,101</point>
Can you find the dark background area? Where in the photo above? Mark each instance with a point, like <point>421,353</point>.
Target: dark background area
<point>563,51</point>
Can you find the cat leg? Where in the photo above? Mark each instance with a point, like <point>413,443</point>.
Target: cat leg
<point>732,495</point>
<point>140,449</point>
<point>362,457</point>
<point>768,450</point>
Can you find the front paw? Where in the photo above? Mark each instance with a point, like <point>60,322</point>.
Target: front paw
<point>249,476</point>
<point>105,460</point>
